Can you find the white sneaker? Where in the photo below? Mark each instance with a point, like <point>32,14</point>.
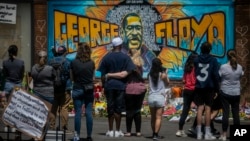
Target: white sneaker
<point>209,136</point>
<point>181,133</point>
<point>119,134</point>
<point>110,134</point>
<point>199,136</point>
<point>223,138</point>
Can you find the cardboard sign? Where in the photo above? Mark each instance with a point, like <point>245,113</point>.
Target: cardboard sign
<point>8,13</point>
<point>27,113</point>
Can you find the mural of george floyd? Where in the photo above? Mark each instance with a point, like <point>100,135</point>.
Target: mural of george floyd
<point>170,30</point>
<point>167,29</point>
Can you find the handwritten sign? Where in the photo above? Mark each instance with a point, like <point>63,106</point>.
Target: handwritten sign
<point>26,113</point>
<point>8,13</point>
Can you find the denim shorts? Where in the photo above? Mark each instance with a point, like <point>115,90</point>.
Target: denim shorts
<point>9,87</point>
<point>156,100</point>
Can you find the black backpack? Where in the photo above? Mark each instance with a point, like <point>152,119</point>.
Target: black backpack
<point>59,82</point>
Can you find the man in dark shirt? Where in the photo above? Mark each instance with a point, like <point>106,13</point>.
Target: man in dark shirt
<point>207,78</point>
<point>114,88</point>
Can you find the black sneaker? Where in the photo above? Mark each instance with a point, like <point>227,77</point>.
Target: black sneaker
<point>192,131</point>
<point>89,139</point>
<point>216,133</point>
<point>155,137</point>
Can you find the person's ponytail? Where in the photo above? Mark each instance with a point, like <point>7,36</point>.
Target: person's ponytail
<point>12,52</point>
<point>232,59</point>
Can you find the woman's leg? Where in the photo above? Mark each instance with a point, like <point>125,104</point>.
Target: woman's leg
<point>235,102</point>
<point>129,111</point>
<point>137,118</point>
<point>78,112</point>
<point>88,100</point>
<point>137,115</point>
<point>159,111</point>
<point>225,115</point>
<point>153,118</point>
<point>187,99</point>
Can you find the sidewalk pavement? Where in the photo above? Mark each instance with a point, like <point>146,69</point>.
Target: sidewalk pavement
<point>100,127</point>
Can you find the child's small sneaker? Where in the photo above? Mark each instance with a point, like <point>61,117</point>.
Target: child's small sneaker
<point>181,133</point>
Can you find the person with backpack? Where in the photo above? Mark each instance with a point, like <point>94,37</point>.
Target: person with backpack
<point>62,88</point>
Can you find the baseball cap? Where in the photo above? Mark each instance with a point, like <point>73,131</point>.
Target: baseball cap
<point>117,41</point>
<point>61,49</point>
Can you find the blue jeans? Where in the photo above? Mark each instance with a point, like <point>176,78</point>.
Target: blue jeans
<point>81,97</point>
<point>9,87</point>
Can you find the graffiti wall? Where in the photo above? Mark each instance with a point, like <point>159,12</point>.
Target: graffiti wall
<point>169,30</point>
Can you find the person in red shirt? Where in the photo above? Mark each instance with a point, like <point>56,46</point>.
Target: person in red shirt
<point>189,81</point>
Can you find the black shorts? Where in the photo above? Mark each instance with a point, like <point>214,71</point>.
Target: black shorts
<point>115,101</point>
<point>204,96</point>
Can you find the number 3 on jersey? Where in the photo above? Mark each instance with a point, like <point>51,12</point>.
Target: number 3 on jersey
<point>204,72</point>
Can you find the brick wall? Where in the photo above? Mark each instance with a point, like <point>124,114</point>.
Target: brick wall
<point>40,27</point>
<point>242,42</point>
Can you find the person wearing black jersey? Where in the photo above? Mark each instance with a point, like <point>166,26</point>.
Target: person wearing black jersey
<point>207,78</point>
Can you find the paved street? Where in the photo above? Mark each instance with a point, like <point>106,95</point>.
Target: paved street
<point>168,130</point>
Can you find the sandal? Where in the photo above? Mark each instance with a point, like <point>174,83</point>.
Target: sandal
<point>127,135</point>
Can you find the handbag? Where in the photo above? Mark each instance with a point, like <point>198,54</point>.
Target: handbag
<point>135,88</point>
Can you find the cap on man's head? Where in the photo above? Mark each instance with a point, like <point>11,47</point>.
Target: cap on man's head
<point>117,41</point>
<point>42,53</point>
<point>61,49</point>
